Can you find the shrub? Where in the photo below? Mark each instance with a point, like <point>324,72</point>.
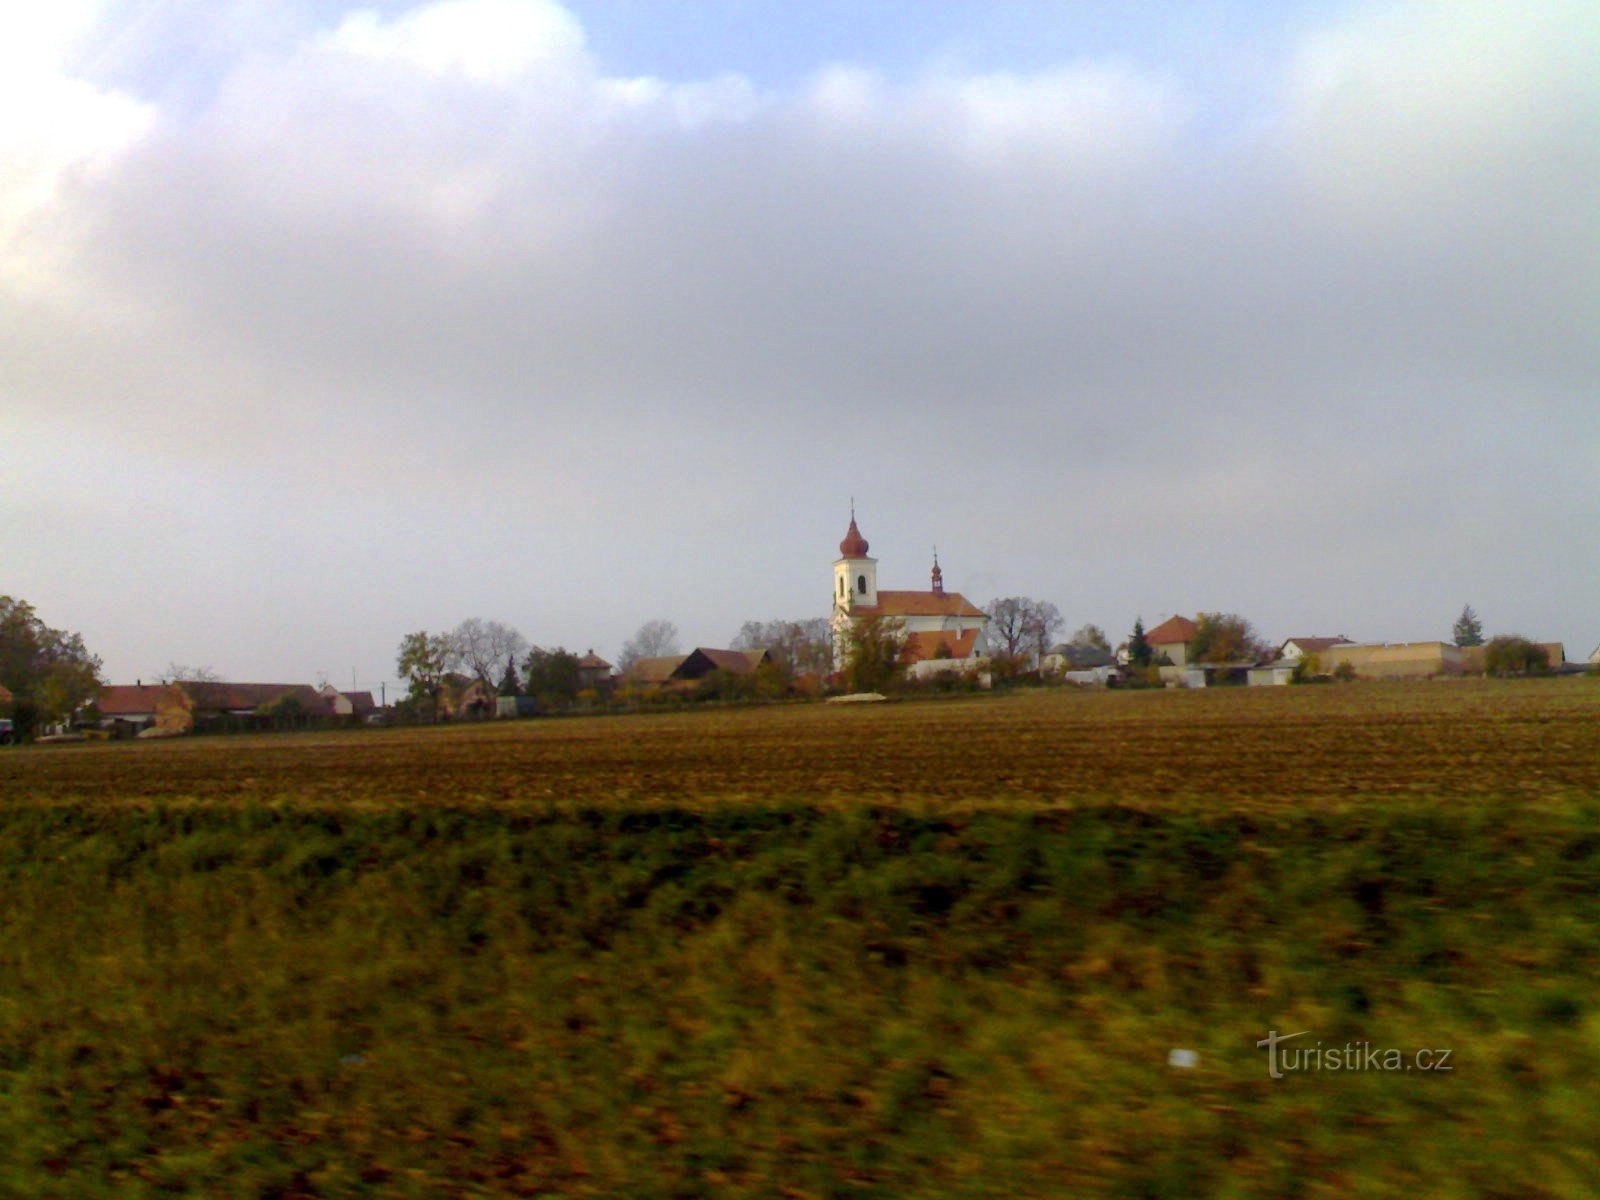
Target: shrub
<point>1511,654</point>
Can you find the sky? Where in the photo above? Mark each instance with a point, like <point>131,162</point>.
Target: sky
<point>322,323</point>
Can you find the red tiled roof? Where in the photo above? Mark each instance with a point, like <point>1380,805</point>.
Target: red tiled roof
<point>918,604</point>
<point>247,697</point>
<point>128,699</point>
<point>926,645</point>
<point>593,662</point>
<point>1173,631</point>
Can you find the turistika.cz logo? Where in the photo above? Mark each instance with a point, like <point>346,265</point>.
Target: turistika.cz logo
<point>1352,1056</point>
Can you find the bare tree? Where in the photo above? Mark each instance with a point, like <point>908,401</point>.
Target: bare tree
<point>654,639</point>
<point>1021,625</point>
<point>1043,623</point>
<point>479,647</point>
<point>797,646</point>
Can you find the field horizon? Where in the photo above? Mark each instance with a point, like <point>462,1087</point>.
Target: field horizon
<point>1016,946</point>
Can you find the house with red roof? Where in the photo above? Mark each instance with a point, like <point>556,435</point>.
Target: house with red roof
<point>944,630</point>
<point>1174,637</point>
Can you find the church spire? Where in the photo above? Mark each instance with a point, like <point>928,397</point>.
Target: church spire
<point>854,545</point>
<point>938,575</point>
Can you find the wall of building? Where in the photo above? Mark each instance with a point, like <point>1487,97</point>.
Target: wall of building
<point>1395,660</point>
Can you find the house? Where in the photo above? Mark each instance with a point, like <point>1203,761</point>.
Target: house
<point>856,597</point>
<point>1297,648</point>
<point>1396,660</point>
<point>181,706</point>
<point>358,705</point>
<point>1174,637</point>
<point>593,671</point>
<point>139,705</point>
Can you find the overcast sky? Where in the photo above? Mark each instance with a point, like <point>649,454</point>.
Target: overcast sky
<point>321,324</point>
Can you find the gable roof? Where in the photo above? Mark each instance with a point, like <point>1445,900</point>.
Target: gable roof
<point>918,604</point>
<point>740,662</point>
<point>1315,645</point>
<point>654,670</point>
<point>926,645</point>
<point>1173,631</point>
<point>593,662</point>
<point>130,699</point>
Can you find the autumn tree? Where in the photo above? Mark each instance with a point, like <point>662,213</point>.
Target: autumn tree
<point>872,648</point>
<point>654,639</point>
<point>422,661</point>
<point>1225,637</point>
<point>1510,654</point>
<point>49,672</point>
<point>1468,630</point>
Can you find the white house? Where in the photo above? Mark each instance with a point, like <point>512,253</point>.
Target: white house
<point>943,627</point>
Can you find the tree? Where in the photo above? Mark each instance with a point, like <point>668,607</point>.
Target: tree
<point>655,639</point>
<point>1042,623</point>
<point>553,676</point>
<point>1226,637</point>
<point>872,649</point>
<point>1019,623</point>
<point>478,647</point>
<point>510,684</point>
<point>49,672</point>
<point>1093,635</point>
<point>1509,654</point>
<point>422,660</point>
<point>1140,652</point>
<point>798,647</point>
<point>1468,630</point>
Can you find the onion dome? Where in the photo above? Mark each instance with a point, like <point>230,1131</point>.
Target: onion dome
<point>854,545</point>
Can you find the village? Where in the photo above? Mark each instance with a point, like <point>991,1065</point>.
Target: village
<point>875,640</point>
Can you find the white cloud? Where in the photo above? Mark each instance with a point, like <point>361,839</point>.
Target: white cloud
<point>487,41</point>
<point>52,123</point>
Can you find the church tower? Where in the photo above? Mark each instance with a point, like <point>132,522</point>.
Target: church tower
<point>855,575</point>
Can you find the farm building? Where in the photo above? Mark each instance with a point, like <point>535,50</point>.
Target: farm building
<point>1395,660</point>
<point>671,669</point>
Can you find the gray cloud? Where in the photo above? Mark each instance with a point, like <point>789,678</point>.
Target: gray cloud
<point>373,332</point>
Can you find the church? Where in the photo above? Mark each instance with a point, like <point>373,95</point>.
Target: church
<point>944,630</point>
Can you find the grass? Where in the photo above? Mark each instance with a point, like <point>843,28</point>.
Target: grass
<point>893,950</point>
